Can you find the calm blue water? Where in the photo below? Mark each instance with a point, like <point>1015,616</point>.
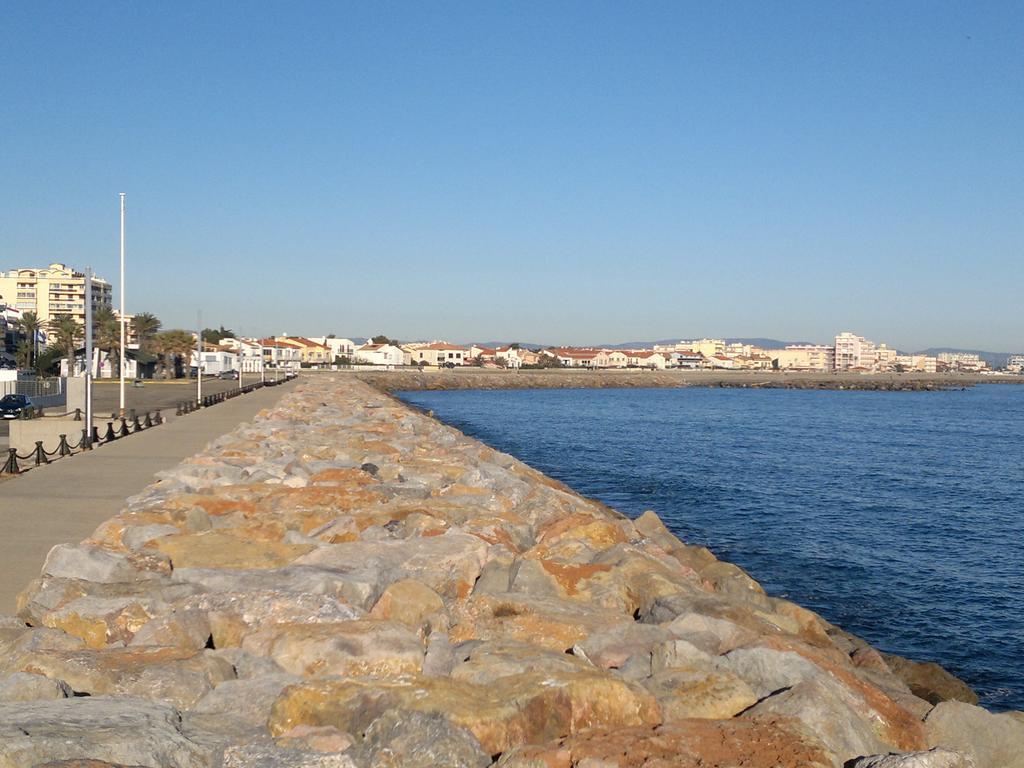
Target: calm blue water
<point>896,515</point>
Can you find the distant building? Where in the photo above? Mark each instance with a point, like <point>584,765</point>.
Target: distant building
<point>805,357</point>
<point>854,352</point>
<point>311,353</point>
<point>962,361</point>
<point>338,347</point>
<point>1015,363</point>
<point>440,353</point>
<point>53,290</point>
<point>380,354</point>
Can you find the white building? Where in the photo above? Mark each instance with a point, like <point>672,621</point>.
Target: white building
<point>510,355</point>
<point>854,352</point>
<point>338,347</point>
<point>380,354</point>
<point>216,361</point>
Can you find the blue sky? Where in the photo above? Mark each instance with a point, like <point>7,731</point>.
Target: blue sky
<point>572,172</point>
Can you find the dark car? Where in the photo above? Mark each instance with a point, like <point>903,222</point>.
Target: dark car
<point>12,406</point>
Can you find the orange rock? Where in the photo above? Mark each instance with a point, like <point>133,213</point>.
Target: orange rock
<point>684,744</point>
<point>224,549</point>
<point>526,708</point>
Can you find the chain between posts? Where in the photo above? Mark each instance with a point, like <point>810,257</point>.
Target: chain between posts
<point>39,456</point>
<point>128,426</point>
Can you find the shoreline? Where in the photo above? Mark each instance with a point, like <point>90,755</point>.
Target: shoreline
<point>466,378</point>
<point>348,579</point>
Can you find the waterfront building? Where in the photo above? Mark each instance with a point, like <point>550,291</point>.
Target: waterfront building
<point>916,363</point>
<point>311,353</point>
<point>853,352</point>
<point>54,290</point>
<point>707,347</point>
<point>804,357</point>
<point>382,354</point>
<point>1015,363</point>
<point>648,359</point>
<point>439,353</point>
<point>338,347</point>
<point>962,361</point>
<point>277,354</point>
<point>511,355</point>
<point>687,359</point>
<point>616,358</point>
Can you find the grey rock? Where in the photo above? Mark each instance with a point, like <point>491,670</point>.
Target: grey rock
<point>90,563</point>
<point>767,671</point>
<point>933,758</point>
<point>992,740</point>
<point>121,730</point>
<point>136,536</point>
<point>419,740</point>
<point>269,755</point>
<point>830,713</point>
<point>25,686</point>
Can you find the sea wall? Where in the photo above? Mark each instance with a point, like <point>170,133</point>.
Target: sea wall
<point>477,378</point>
<point>348,582</point>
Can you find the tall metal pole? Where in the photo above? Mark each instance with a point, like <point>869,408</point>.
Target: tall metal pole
<point>199,359</point>
<point>88,355</point>
<point>122,305</point>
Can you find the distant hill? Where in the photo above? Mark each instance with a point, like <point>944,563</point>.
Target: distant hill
<point>994,359</point>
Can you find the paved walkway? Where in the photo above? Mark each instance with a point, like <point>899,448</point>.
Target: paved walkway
<point>67,500</point>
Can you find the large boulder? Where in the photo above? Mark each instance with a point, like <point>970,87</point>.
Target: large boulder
<point>929,681</point>
<point>685,744</point>
<point>351,648</point>
<point>932,758</point>
<point>409,739</point>
<point>521,709</point>
<point>991,740</point>
<point>127,731</point>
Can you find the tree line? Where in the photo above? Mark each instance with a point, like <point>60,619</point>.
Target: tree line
<point>169,349</point>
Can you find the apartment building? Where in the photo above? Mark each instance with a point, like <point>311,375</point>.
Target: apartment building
<point>54,290</point>
<point>805,357</point>
<point>854,352</point>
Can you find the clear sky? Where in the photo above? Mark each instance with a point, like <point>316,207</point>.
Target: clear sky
<point>553,172</point>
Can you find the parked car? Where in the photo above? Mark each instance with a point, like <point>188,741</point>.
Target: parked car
<point>228,375</point>
<point>13,406</point>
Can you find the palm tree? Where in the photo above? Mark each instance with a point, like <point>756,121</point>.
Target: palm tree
<point>30,326</point>
<point>170,345</point>
<point>107,328</point>
<point>66,332</point>
<point>145,326</point>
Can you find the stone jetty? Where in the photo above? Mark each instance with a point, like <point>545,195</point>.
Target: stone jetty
<point>345,582</point>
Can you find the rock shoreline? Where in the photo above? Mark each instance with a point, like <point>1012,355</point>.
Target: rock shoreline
<point>347,582</point>
<point>411,380</point>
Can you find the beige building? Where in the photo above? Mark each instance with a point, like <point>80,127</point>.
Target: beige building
<point>53,290</point>
<point>854,352</point>
<point>805,357</point>
<point>440,353</point>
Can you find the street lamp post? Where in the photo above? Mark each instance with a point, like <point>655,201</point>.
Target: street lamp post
<point>122,305</point>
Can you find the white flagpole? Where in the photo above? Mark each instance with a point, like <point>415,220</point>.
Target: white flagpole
<point>88,355</point>
<point>199,359</point>
<point>122,305</point>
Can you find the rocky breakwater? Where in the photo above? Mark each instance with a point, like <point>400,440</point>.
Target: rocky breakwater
<point>347,582</point>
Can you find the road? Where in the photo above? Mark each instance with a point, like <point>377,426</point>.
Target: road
<point>163,395</point>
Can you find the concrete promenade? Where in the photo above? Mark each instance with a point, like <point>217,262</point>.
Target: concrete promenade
<point>66,500</point>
